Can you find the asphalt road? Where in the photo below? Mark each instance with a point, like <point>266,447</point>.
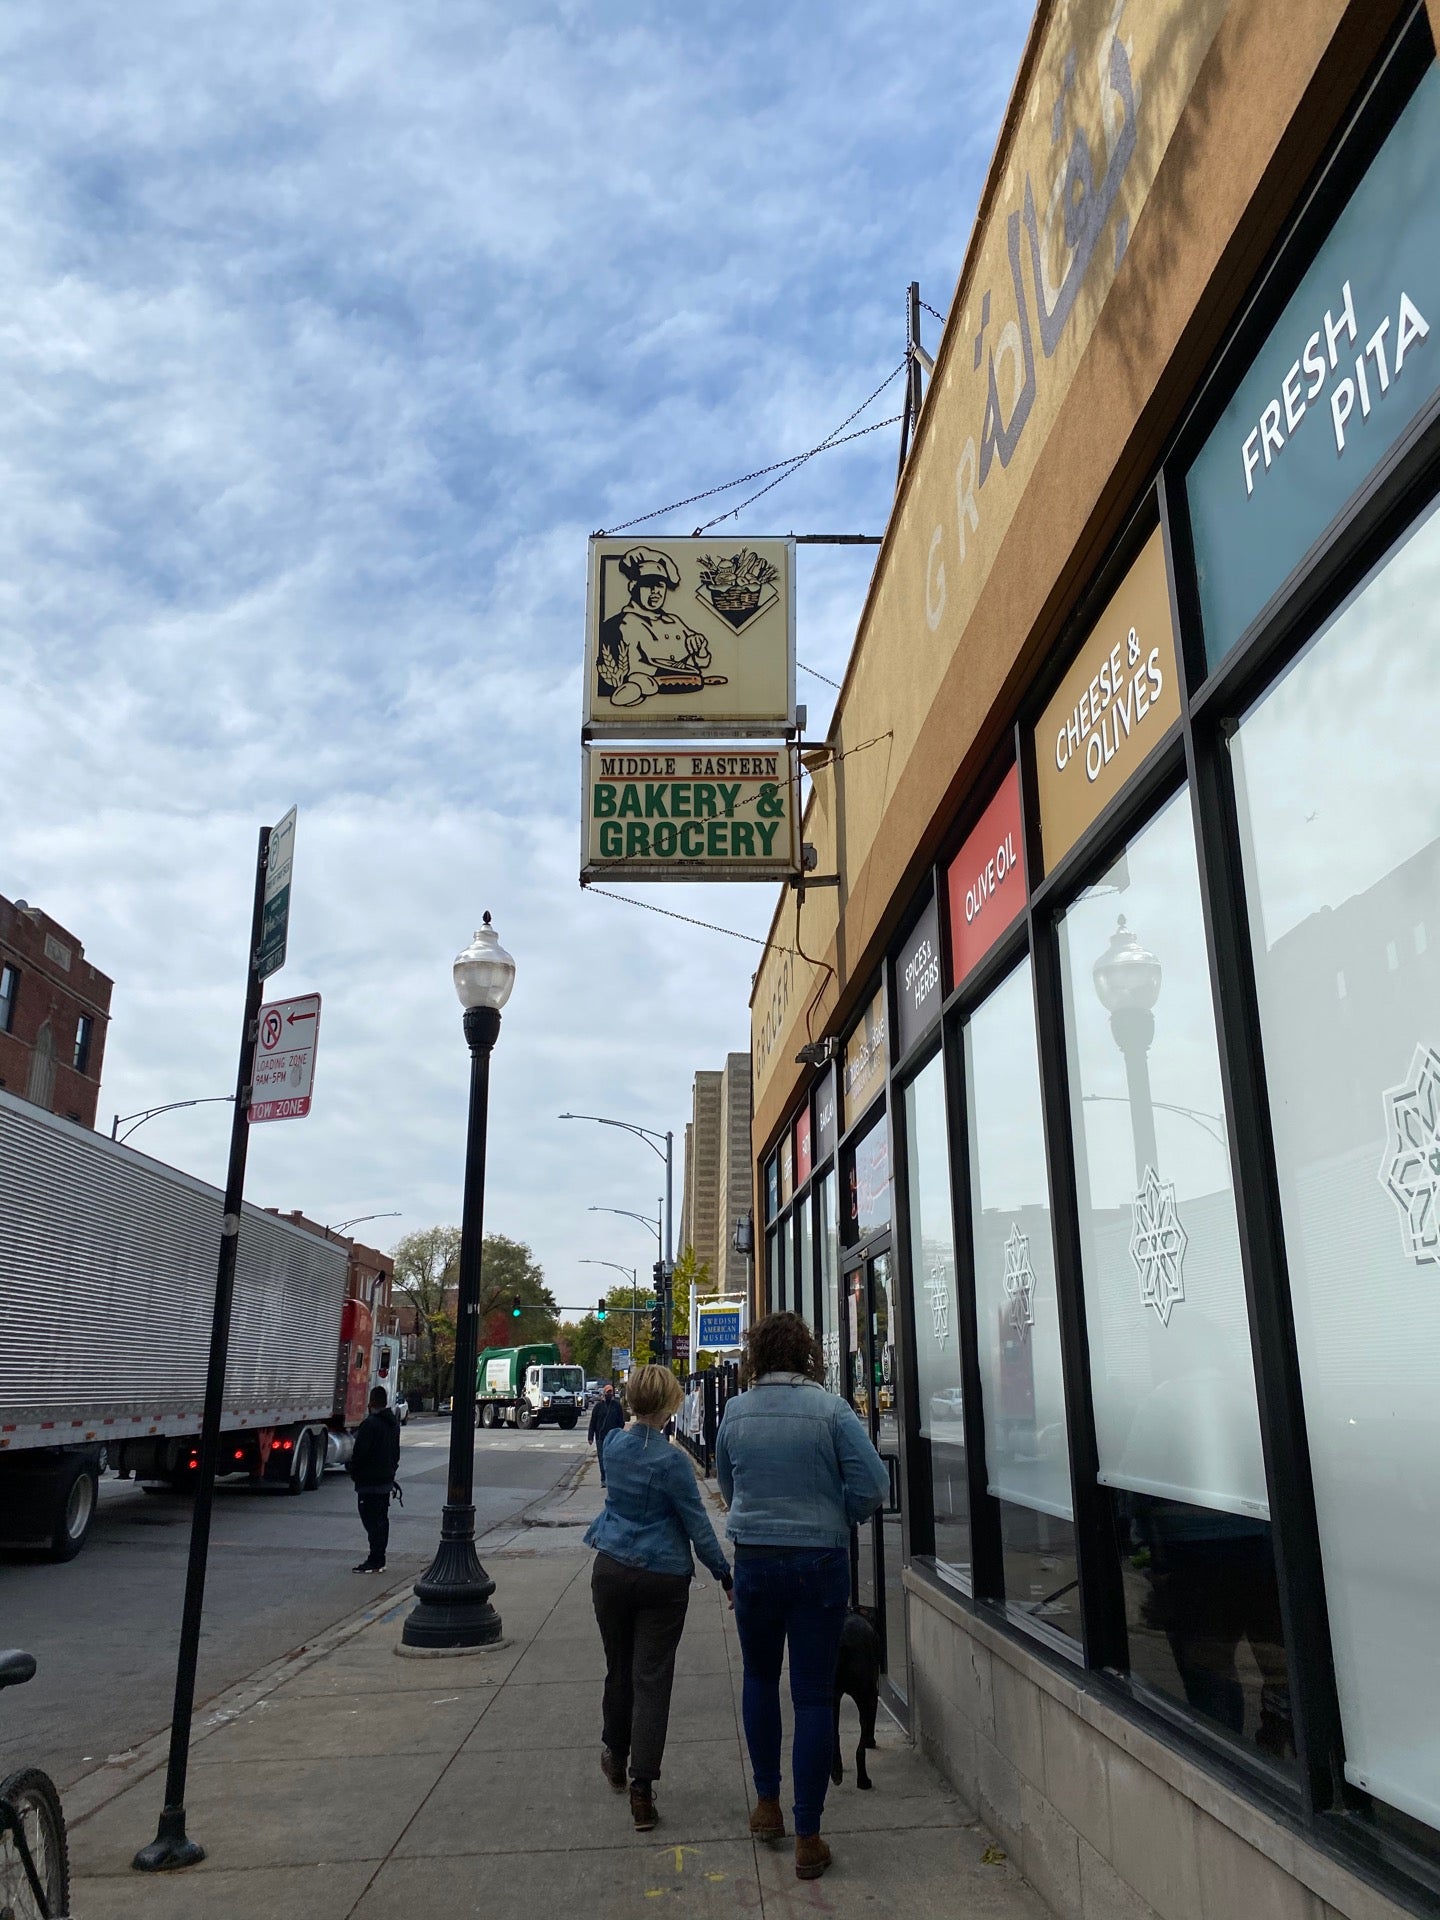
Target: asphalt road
<point>104,1627</point>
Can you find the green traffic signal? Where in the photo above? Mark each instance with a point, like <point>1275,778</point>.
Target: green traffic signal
<point>600,1311</point>
<point>515,1308</point>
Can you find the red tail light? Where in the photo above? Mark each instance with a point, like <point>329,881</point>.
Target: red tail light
<point>239,1453</point>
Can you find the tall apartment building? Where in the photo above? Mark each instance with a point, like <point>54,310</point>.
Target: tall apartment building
<point>54,1010</point>
<point>718,1174</point>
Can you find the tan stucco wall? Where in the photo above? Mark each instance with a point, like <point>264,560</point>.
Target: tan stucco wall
<point>1242,107</point>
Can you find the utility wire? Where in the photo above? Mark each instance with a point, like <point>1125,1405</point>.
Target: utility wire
<point>824,447</point>
<point>818,676</point>
<point>794,460</point>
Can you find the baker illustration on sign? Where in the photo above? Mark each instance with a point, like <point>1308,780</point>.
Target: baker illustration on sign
<point>643,649</point>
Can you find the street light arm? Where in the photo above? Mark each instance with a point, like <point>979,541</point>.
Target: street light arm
<point>626,1214</point>
<point>170,1106</point>
<point>361,1218</point>
<point>647,1134</point>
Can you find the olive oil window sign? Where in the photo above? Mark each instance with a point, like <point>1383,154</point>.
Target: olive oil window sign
<point>690,636</point>
<point>683,814</point>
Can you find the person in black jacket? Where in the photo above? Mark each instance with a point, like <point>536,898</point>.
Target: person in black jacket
<point>606,1416</point>
<point>373,1461</point>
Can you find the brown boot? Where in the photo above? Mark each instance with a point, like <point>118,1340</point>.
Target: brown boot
<point>642,1806</point>
<point>767,1822</point>
<point>812,1856</point>
<point>613,1768</point>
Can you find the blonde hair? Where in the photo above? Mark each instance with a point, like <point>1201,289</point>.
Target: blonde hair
<point>653,1390</point>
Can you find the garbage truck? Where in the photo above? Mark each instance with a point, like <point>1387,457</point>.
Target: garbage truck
<point>526,1386</point>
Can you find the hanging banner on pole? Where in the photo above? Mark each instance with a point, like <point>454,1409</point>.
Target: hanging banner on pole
<point>690,813</point>
<point>686,637</point>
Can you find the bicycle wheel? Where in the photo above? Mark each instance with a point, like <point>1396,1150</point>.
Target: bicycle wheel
<point>36,1806</point>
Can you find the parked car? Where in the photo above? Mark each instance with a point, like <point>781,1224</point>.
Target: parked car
<point>948,1404</point>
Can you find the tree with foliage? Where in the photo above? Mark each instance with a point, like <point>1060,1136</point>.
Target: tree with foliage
<point>427,1268</point>
<point>508,1268</point>
<point>589,1345</point>
<point>691,1276</point>
<point>427,1274</point>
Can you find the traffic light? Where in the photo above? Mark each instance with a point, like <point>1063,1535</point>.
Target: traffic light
<point>601,1309</point>
<point>657,1329</point>
<point>515,1308</point>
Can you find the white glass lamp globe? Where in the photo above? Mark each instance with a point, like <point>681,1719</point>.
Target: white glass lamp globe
<point>484,972</point>
<point>1127,975</point>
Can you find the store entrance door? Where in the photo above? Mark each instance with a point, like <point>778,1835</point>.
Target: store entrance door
<point>873,1389</point>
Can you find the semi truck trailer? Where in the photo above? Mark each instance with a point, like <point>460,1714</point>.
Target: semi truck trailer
<point>107,1288</point>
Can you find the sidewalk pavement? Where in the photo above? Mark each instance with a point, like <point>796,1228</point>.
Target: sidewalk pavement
<point>346,1783</point>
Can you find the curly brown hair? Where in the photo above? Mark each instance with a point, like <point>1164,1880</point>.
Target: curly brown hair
<point>781,1343</point>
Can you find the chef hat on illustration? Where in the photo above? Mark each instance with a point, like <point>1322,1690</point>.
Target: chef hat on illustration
<point>645,563</point>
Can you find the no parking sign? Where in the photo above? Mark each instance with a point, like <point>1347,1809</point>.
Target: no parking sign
<point>284,1076</point>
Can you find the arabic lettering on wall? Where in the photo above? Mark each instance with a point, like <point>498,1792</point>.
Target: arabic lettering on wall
<point>1051,242</point>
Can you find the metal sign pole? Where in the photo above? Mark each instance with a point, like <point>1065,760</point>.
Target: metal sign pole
<point>171,1846</point>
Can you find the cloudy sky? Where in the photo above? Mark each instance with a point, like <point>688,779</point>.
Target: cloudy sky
<point>329,335</point>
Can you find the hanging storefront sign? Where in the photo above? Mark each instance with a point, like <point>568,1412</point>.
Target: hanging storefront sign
<point>867,1056</point>
<point>687,814</point>
<point>690,636</point>
<point>1112,708</point>
<point>917,978</point>
<point>986,881</point>
<point>1350,364</point>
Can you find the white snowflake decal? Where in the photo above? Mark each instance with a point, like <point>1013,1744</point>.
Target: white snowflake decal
<point>1157,1245</point>
<point>1020,1281</point>
<point>938,1288</point>
<point>1410,1171</point>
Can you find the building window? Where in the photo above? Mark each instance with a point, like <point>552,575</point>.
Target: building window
<point>84,1028</point>
<point>41,1087</point>
<point>1172,1371</point>
<point>1027,1445</point>
<point>9,988</point>
<point>830,1284</point>
<point>869,1177</point>
<point>1339,803</point>
<point>935,1314</point>
<point>805,1278</point>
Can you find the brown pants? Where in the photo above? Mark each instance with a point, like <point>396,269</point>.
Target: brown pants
<point>641,1616</point>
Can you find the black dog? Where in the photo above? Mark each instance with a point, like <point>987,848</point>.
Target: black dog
<point>858,1674</point>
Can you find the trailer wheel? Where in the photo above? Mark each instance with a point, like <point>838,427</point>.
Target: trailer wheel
<point>74,1496</point>
<point>320,1446</point>
<point>524,1414</point>
<point>301,1464</point>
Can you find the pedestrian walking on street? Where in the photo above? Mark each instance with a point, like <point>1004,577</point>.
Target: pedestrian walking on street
<point>798,1471</point>
<point>373,1463</point>
<point>606,1417</point>
<point>640,1583</point>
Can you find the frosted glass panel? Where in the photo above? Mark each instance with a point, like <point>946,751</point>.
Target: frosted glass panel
<point>1026,1443</point>
<point>935,1314</point>
<point>1339,795</point>
<point>1171,1367</point>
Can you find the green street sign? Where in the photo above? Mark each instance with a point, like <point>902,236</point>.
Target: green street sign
<point>275,925</point>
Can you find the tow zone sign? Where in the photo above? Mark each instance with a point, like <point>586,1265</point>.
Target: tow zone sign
<point>284,1076</point>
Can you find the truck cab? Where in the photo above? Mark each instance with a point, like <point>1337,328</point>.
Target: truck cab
<point>556,1393</point>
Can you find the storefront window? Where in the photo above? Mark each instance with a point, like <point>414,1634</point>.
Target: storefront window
<point>772,1269</point>
<point>1171,1367</point>
<point>804,1302</point>
<point>784,1275</point>
<point>830,1283</point>
<point>870,1182</point>
<point>1027,1451</point>
<point>1338,790</point>
<point>772,1187</point>
<point>936,1316</point>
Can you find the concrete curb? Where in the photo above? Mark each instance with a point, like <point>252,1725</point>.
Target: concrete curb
<point>92,1791</point>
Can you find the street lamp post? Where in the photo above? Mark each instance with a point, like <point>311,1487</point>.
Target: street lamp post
<point>453,1595</point>
<point>170,1106</point>
<point>1127,980</point>
<point>650,1136</point>
<point>634,1290</point>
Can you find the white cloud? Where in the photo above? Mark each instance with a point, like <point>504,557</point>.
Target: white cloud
<point>330,334</point>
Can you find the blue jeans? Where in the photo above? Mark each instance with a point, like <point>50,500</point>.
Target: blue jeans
<point>799,1596</point>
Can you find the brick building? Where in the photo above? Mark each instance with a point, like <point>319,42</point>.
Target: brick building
<point>54,1011</point>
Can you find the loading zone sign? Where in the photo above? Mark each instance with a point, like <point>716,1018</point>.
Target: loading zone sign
<point>284,1075</point>
<point>690,813</point>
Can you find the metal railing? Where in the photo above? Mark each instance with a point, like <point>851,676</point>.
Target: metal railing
<point>699,1419</point>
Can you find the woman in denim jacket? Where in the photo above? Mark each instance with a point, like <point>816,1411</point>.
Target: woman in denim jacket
<point>640,1583</point>
<point>798,1472</point>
